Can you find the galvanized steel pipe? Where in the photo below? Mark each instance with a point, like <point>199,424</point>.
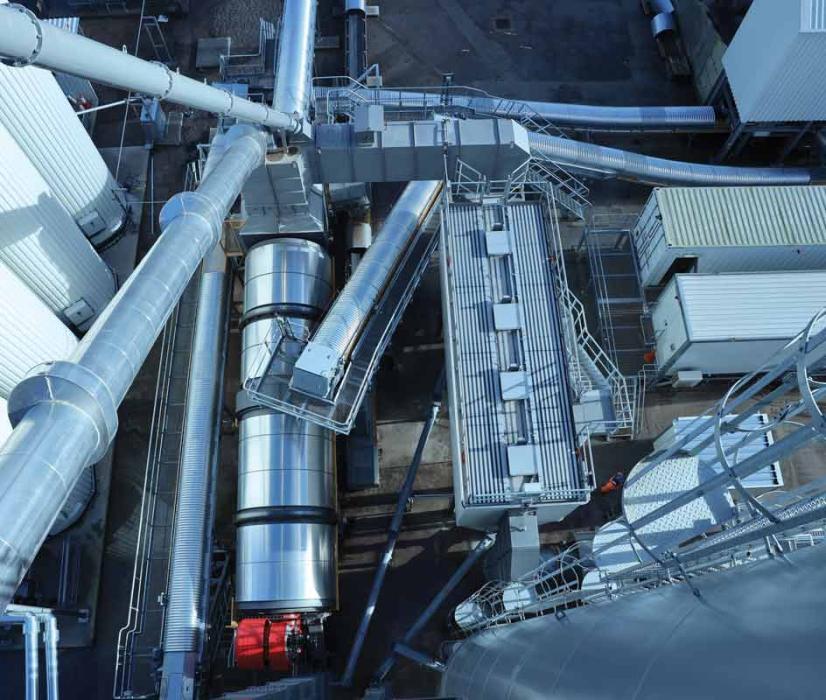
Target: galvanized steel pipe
<point>296,47</point>
<point>66,413</point>
<point>320,361</point>
<point>656,171</point>
<point>183,623</point>
<point>27,41</point>
<point>574,115</point>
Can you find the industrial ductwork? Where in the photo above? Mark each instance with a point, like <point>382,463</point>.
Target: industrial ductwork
<point>286,518</point>
<point>319,365</point>
<point>28,41</point>
<point>614,162</point>
<point>184,622</point>
<point>293,80</point>
<point>66,414</point>
<point>571,115</point>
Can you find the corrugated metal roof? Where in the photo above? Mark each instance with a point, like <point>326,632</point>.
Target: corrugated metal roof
<point>773,63</point>
<point>67,24</point>
<point>743,216</point>
<point>765,305</point>
<point>814,16</point>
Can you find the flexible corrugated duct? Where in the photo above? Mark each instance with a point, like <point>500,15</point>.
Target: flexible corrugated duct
<point>318,365</point>
<point>574,115</point>
<point>656,171</point>
<point>66,416</point>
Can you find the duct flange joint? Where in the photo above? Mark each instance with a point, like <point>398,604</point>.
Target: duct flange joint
<point>69,383</point>
<point>21,62</point>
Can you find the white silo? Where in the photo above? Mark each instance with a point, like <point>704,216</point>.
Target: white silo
<point>30,334</point>
<point>39,117</point>
<point>43,246</point>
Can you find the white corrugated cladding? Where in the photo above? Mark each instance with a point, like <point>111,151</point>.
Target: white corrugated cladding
<point>5,424</point>
<point>37,114</point>
<point>775,62</point>
<point>41,243</point>
<point>749,306</point>
<point>732,229</point>
<point>30,334</point>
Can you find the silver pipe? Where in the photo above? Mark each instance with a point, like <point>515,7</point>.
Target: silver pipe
<point>318,366</point>
<point>28,41</point>
<point>66,413</point>
<point>183,622</point>
<point>355,18</point>
<point>394,532</point>
<point>51,637</point>
<point>656,171</point>
<point>573,115</point>
<point>31,633</point>
<point>296,47</point>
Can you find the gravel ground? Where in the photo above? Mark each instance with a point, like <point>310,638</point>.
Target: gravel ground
<point>239,19</point>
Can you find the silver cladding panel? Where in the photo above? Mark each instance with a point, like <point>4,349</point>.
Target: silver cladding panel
<point>729,642</point>
<point>286,566</point>
<point>284,461</point>
<point>484,425</point>
<point>288,271</point>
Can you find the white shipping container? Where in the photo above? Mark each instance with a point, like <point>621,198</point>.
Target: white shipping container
<point>30,333</point>
<point>34,109</point>
<point>775,62</point>
<point>730,229</point>
<point>44,247</point>
<point>732,323</point>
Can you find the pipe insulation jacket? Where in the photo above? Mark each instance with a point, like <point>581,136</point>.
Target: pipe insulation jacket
<point>573,115</point>
<point>28,41</point>
<point>183,623</point>
<point>296,46</point>
<point>65,415</point>
<point>656,171</point>
<point>340,328</point>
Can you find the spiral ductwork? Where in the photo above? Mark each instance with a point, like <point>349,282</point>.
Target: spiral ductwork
<point>656,171</point>
<point>573,115</point>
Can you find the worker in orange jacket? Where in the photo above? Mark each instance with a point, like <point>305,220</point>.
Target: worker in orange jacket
<point>613,484</point>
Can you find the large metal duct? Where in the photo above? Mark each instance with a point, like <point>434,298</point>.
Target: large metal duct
<point>28,41</point>
<point>39,117</point>
<point>572,115</point>
<point>30,334</point>
<point>44,247</point>
<point>656,171</point>
<point>296,47</point>
<point>317,369</point>
<point>286,520</point>
<point>726,642</point>
<point>286,532</point>
<point>65,416</point>
<point>184,622</point>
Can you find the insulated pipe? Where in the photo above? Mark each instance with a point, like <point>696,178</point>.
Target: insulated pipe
<point>317,368</point>
<point>183,623</point>
<point>26,40</point>
<point>50,639</point>
<point>356,30</point>
<point>66,414</point>
<point>296,47</point>
<point>656,171</point>
<point>31,632</point>
<point>573,115</point>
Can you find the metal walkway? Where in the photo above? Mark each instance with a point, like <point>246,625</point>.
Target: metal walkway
<point>138,658</point>
<point>509,382</point>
